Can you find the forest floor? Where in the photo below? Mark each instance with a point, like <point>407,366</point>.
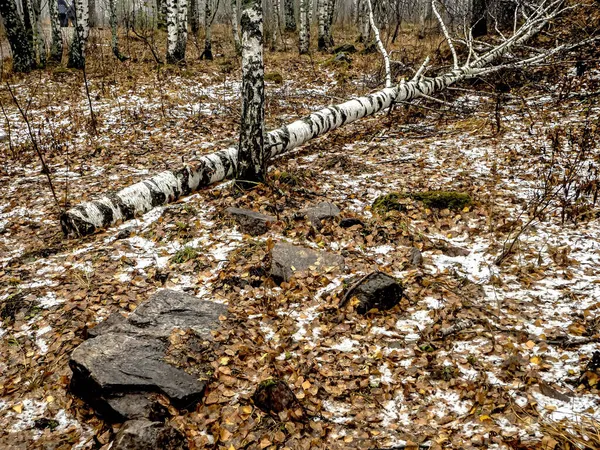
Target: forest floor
<point>515,377</point>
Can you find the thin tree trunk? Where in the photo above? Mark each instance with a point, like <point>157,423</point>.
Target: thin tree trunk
<point>304,34</point>
<point>234,26</point>
<point>20,46</point>
<point>194,18</point>
<point>290,15</point>
<point>56,50</point>
<point>114,28</point>
<point>276,22</point>
<point>172,28</point>
<point>252,161</point>
<point>384,53</point>
<point>207,53</point>
<point>93,20</point>
<point>80,35</point>
<point>323,42</point>
<point>161,14</point>
<point>182,20</point>
<point>329,22</point>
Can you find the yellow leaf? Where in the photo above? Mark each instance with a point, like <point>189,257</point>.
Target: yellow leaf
<point>49,399</point>
<point>224,361</point>
<point>225,434</point>
<point>484,417</point>
<point>535,360</point>
<point>306,385</point>
<point>530,344</point>
<point>18,408</point>
<point>465,209</point>
<point>247,409</point>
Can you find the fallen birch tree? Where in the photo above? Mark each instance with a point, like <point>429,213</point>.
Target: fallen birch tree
<point>170,185</point>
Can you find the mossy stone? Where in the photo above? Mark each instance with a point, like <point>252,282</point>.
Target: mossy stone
<point>388,202</point>
<point>443,199</point>
<point>274,77</point>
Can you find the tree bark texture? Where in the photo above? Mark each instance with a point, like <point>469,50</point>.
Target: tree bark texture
<point>194,17</point>
<point>80,35</point>
<point>252,161</point>
<point>20,45</point>
<point>161,14</point>
<point>114,28</point>
<point>168,186</point>
<point>208,16</point>
<point>234,26</point>
<point>56,49</point>
<point>322,42</point>
<point>290,15</point>
<point>304,35</point>
<point>177,11</point>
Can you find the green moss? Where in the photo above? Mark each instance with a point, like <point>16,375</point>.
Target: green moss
<point>388,202</point>
<point>268,383</point>
<point>274,77</point>
<point>185,254</point>
<point>287,178</point>
<point>443,199</point>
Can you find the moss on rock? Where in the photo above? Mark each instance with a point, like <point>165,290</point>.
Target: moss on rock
<point>274,77</point>
<point>443,199</point>
<point>388,202</point>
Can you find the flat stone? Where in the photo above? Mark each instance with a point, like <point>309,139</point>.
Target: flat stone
<point>321,211</point>
<point>379,290</point>
<point>161,313</point>
<point>287,259</point>
<point>122,367</point>
<point>251,222</point>
<point>148,435</point>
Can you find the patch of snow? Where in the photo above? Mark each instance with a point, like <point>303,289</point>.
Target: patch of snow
<point>347,345</point>
<point>49,300</point>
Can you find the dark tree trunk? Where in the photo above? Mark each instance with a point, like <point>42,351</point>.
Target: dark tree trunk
<point>20,45</point>
<point>290,15</point>
<point>161,14</point>
<point>479,18</point>
<point>194,17</point>
<point>252,163</point>
<point>207,53</point>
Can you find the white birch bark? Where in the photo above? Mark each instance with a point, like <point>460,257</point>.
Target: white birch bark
<point>304,35</point>
<point>252,162</point>
<point>234,26</point>
<point>277,22</point>
<point>172,30</point>
<point>384,53</point>
<point>182,28</point>
<point>322,18</point>
<point>80,35</point>
<point>168,186</point>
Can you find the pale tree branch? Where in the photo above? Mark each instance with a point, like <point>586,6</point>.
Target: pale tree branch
<point>446,34</point>
<point>384,53</point>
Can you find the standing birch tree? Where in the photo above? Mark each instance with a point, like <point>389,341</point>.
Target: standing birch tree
<point>304,35</point>
<point>290,15</point>
<point>252,162</point>
<point>235,12</point>
<point>208,18</point>
<point>177,11</point>
<point>20,46</point>
<point>80,35</point>
<point>56,48</point>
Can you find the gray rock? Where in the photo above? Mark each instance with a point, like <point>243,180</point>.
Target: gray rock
<point>251,222</point>
<point>147,435</point>
<point>378,290</point>
<point>286,259</point>
<point>416,257</point>
<point>165,310</point>
<point>119,370</point>
<point>345,48</point>
<point>321,211</point>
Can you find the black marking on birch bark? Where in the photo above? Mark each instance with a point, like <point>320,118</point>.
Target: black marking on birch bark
<point>107,213</point>
<point>127,211</point>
